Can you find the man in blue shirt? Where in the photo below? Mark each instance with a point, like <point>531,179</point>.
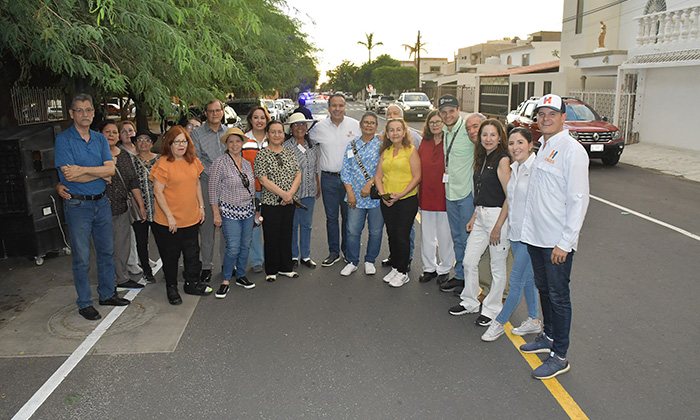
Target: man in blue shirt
<point>85,166</point>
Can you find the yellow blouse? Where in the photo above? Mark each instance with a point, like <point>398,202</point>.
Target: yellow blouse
<point>397,170</point>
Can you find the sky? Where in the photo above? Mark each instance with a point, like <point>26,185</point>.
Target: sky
<point>336,27</point>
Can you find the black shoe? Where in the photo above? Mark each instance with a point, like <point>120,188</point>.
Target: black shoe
<point>442,278</point>
<point>461,310</point>
<point>173,295</point>
<point>483,321</point>
<point>197,288</point>
<point>408,269</point>
<point>295,263</point>
<point>90,313</point>
<point>115,301</point>
<point>386,261</point>
<point>309,263</point>
<point>244,282</point>
<point>221,293</point>
<point>205,276</point>
<point>130,285</point>
<point>427,276</point>
<point>451,285</point>
<point>150,279</point>
<point>330,260</point>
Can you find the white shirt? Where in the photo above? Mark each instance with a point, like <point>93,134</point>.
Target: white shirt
<point>333,141</point>
<point>557,197</point>
<point>516,192</point>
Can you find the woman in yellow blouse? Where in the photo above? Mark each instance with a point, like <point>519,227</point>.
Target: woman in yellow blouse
<point>397,179</point>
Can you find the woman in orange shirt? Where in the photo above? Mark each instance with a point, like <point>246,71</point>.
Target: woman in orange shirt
<point>179,212</point>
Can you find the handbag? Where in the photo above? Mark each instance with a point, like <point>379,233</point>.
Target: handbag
<point>373,191</point>
<point>132,206</point>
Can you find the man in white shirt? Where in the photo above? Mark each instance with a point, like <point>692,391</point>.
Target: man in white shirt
<point>332,136</point>
<point>557,200</point>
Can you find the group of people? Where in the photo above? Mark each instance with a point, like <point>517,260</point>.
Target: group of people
<point>475,186</point>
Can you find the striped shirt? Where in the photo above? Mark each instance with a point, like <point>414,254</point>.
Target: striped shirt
<point>227,191</point>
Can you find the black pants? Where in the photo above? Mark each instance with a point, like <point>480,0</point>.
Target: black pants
<point>141,233</point>
<point>277,235</point>
<point>399,220</point>
<point>170,245</point>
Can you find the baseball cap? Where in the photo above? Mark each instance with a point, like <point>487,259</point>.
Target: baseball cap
<point>448,100</point>
<point>551,101</point>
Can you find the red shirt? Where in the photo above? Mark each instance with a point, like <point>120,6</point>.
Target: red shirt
<point>431,191</point>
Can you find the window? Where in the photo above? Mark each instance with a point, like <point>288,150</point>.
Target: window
<point>530,89</point>
<point>579,16</point>
<point>526,60</point>
<point>547,88</point>
<point>434,68</point>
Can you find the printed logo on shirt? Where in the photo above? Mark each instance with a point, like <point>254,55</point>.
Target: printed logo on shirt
<point>551,157</point>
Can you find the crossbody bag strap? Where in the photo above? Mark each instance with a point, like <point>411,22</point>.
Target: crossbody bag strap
<point>359,162</point>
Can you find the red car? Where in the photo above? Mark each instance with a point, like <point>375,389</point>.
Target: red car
<point>601,139</point>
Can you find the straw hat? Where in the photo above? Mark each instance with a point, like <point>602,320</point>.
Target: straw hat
<point>234,130</point>
<point>298,117</point>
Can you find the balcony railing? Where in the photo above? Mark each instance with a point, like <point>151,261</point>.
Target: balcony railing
<point>669,27</point>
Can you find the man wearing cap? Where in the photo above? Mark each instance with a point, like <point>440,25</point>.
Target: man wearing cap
<point>556,204</point>
<point>85,165</point>
<point>207,144</point>
<point>459,163</point>
<point>332,136</point>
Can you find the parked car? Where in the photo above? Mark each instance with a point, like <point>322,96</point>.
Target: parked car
<point>349,97</point>
<point>601,139</point>
<point>370,101</point>
<point>383,103</point>
<point>272,109</point>
<point>231,119</point>
<point>288,106</point>
<point>318,108</point>
<point>281,110</point>
<point>242,106</point>
<point>415,105</point>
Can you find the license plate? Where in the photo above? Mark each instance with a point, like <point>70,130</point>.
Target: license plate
<point>420,115</point>
<point>597,147</point>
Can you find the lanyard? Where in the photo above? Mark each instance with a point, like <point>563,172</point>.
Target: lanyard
<point>449,147</point>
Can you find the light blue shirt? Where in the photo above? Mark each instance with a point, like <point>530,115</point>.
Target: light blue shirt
<point>351,174</point>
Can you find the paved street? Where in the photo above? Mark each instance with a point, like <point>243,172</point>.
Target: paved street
<point>326,346</point>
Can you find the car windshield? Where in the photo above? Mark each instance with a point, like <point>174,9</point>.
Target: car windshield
<point>386,98</point>
<point>415,97</point>
<point>580,112</point>
<point>269,104</point>
<point>318,107</point>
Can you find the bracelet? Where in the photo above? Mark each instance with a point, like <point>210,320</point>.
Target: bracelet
<point>201,207</point>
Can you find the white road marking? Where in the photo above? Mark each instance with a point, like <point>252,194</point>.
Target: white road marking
<point>645,217</point>
<point>55,380</point>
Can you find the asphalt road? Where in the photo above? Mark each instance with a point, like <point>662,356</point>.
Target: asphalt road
<point>325,346</point>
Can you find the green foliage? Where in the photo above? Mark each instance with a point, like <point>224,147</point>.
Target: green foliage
<point>364,73</point>
<point>394,79</point>
<point>369,44</point>
<point>343,77</point>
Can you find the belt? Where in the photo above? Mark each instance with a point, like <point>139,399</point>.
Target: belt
<point>87,197</point>
<point>336,174</point>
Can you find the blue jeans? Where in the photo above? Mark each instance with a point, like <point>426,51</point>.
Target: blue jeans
<point>458,214</point>
<point>522,282</point>
<point>238,238</point>
<point>333,192</point>
<point>256,246</point>
<point>87,218</point>
<point>301,229</point>
<point>356,222</point>
<point>552,281</point>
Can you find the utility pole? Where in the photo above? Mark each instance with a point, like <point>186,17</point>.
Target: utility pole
<point>418,45</point>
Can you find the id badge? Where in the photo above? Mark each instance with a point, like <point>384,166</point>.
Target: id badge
<point>301,148</point>
<point>350,154</point>
<point>445,178</point>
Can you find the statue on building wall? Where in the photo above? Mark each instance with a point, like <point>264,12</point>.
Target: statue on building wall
<point>601,37</point>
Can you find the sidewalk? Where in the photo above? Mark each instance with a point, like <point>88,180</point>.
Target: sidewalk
<point>684,163</point>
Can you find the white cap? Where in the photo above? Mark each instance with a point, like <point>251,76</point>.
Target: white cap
<point>551,101</point>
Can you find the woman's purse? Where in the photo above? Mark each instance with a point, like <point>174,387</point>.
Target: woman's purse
<point>373,191</point>
<point>132,206</point>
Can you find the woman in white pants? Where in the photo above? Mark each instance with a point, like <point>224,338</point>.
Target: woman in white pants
<point>436,237</point>
<point>488,225</point>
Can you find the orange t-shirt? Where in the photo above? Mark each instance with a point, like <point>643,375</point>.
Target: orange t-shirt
<point>180,180</point>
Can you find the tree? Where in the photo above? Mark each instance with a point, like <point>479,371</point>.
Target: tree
<point>369,44</point>
<point>364,73</point>
<point>415,50</point>
<point>393,79</point>
<point>343,77</point>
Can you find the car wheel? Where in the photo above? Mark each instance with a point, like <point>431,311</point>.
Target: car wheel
<point>610,160</point>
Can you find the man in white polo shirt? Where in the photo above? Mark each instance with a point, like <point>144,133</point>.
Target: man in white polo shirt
<point>556,204</point>
<point>332,136</point>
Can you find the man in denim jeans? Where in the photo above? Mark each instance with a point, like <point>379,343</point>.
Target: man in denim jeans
<point>85,166</point>
<point>556,204</point>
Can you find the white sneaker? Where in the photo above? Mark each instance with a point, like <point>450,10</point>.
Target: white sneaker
<point>494,331</point>
<point>394,272</point>
<point>370,269</point>
<point>348,269</point>
<point>135,269</point>
<point>528,327</point>
<point>399,280</point>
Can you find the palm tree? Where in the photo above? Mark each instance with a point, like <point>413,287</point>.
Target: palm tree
<point>415,51</point>
<point>370,44</point>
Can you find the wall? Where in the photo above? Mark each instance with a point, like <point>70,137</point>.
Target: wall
<point>679,86</point>
<point>587,40</point>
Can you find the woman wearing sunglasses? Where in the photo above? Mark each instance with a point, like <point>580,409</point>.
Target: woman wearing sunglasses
<point>277,169</point>
<point>231,195</point>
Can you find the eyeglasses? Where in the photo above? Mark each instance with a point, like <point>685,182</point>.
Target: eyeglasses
<point>179,141</point>
<point>215,111</point>
<point>435,122</point>
<point>147,140</point>
<point>82,111</point>
<point>369,122</point>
